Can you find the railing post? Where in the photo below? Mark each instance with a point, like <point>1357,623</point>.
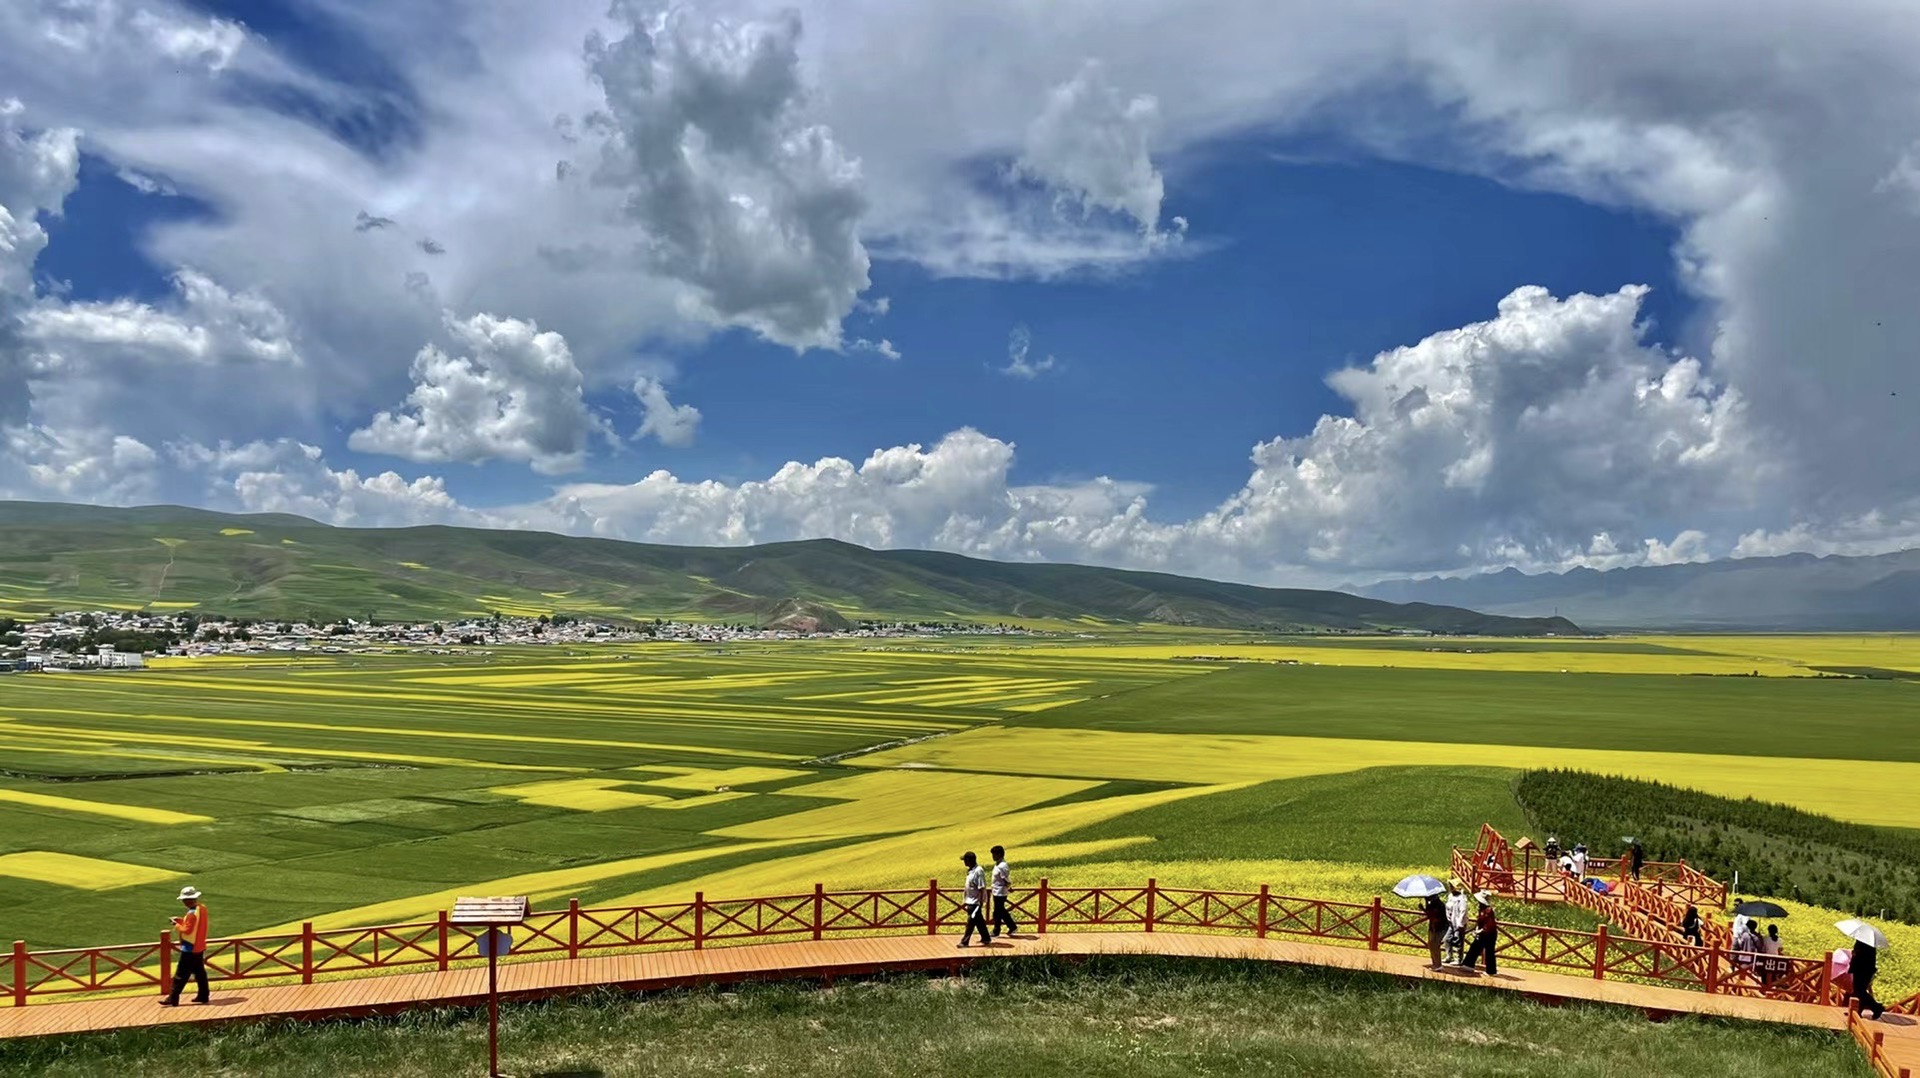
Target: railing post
<point>1600,952</point>
<point>19,973</point>
<point>1713,971</point>
<point>1373,926</point>
<point>573,928</point>
<point>1153,895</point>
<point>699,919</point>
<point>1260,918</point>
<point>444,933</point>
<point>1826,979</point>
<point>1042,919</point>
<point>819,909</point>
<point>166,962</point>
<point>933,907</point>
<point>306,952</point>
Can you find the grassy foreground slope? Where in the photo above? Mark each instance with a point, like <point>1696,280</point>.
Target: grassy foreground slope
<point>166,557</point>
<point>1014,1019</point>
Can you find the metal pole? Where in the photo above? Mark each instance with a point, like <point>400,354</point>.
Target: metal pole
<point>493,1003</point>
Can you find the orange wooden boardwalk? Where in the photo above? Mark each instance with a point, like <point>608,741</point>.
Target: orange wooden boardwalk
<point>851,957</point>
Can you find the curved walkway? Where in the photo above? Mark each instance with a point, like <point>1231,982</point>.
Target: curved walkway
<point>815,960</point>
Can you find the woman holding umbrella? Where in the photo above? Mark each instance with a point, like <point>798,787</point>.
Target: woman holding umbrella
<point>1867,941</point>
<point>1428,890</point>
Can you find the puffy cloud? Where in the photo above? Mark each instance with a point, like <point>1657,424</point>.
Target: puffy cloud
<point>37,173</point>
<point>1019,342</point>
<point>1518,438</point>
<point>109,26</point>
<point>210,42</point>
<point>1091,145</point>
<point>882,347</point>
<point>740,194</point>
<point>208,324</point>
<point>286,476</point>
<point>80,464</point>
<point>666,422</point>
<point>516,396</point>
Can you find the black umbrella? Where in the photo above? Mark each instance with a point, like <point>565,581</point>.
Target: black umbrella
<point>1759,909</point>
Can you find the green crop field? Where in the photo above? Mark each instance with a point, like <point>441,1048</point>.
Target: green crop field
<point>367,789</point>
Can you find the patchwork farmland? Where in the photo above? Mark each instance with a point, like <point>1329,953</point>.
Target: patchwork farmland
<point>357,790</point>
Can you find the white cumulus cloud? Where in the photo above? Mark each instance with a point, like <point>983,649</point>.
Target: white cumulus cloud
<point>668,423</point>
<point>516,395</point>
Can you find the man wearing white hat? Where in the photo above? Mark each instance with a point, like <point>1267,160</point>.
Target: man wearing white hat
<point>1486,932</point>
<point>190,928</point>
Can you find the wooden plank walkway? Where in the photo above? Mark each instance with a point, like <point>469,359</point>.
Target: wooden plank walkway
<point>856,956</point>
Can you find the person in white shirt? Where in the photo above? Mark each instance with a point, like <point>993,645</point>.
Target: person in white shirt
<point>1580,862</point>
<point>1456,922</point>
<point>975,893</point>
<point>1002,886</point>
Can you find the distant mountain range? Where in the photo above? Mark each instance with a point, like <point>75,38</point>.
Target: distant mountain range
<point>166,558</point>
<point>1792,592</point>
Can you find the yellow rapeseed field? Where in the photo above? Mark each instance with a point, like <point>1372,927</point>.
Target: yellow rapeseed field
<point>912,859</point>
<point>1867,791</point>
<point>580,795</point>
<point>82,873</point>
<point>883,802</point>
<point>706,778</point>
<point>135,813</point>
<point>1592,658</point>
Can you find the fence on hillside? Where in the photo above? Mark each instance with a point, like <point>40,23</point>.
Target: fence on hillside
<point>576,931</point>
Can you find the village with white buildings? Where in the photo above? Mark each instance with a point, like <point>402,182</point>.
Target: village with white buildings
<point>94,640</point>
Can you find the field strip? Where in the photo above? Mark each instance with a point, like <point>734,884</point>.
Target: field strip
<point>934,851</point>
<point>365,698</point>
<point>135,813</point>
<point>1867,791</point>
<point>538,886</point>
<point>446,735</point>
<point>75,746</point>
<point>263,748</point>
<point>1047,706</point>
<point>580,795</point>
<point>880,802</point>
<point>80,873</point>
<point>1542,661</point>
<point>705,778</point>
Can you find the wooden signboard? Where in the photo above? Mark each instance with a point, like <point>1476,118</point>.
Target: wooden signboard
<point>492,916</point>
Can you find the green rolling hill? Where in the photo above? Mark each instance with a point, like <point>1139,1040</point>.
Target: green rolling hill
<point>58,556</point>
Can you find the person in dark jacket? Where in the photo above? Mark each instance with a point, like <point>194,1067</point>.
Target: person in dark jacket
<point>1690,928</point>
<point>1866,963</point>
<point>1638,857</point>
<point>1436,910</point>
<point>1486,932</point>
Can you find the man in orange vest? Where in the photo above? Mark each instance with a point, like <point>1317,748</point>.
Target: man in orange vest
<point>190,928</point>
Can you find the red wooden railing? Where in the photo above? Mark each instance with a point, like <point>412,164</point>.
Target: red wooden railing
<point>821,914</point>
<point>1874,1044</point>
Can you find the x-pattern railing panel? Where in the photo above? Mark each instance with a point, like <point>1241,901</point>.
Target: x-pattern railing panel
<point>1314,917</point>
<point>754,918</point>
<point>257,956</point>
<point>1207,909</point>
<point>844,911</point>
<point>92,969</point>
<point>1096,906</point>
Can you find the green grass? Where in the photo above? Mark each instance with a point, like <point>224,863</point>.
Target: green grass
<point>1379,816</point>
<point>1811,717</point>
<point>1018,1018</point>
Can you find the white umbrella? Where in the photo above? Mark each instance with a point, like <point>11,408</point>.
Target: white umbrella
<point>1418,887</point>
<point>1862,932</point>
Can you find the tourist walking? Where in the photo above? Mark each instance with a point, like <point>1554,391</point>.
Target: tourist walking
<point>971,898</point>
<point>1436,911</point>
<point>1770,964</point>
<point>1866,963</point>
<point>1579,860</point>
<point>1456,921</point>
<point>1486,933</point>
<point>1638,856</point>
<point>1690,929</point>
<point>1002,886</point>
<point>190,928</point>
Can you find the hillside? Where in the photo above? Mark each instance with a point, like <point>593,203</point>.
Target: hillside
<point>1792,592</point>
<point>167,558</point>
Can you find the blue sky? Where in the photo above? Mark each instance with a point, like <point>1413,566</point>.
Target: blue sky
<point>1404,293</point>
